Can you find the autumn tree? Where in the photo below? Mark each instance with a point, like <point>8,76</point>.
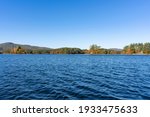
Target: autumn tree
<point>146,49</point>
<point>94,49</point>
<point>18,50</point>
<point>137,48</point>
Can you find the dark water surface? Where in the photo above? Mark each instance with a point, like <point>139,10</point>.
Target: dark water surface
<point>74,77</point>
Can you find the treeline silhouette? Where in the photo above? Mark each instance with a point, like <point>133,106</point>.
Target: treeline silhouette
<point>135,48</point>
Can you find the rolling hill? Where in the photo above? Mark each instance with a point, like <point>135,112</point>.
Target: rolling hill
<point>9,45</point>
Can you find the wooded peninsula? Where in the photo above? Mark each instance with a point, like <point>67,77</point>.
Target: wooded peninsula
<point>134,48</point>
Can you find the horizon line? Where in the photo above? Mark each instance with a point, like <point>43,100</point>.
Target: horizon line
<point>68,46</point>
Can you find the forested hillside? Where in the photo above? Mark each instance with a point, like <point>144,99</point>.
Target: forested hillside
<point>135,48</point>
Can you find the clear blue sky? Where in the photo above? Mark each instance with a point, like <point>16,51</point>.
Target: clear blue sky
<point>75,23</point>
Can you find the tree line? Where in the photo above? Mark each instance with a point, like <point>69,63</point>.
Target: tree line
<point>135,48</point>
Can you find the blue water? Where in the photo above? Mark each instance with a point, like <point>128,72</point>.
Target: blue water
<point>71,77</point>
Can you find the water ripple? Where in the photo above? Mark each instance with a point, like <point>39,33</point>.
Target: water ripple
<point>71,77</point>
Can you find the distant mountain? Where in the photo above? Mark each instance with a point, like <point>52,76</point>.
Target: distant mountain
<point>9,45</point>
<point>115,49</point>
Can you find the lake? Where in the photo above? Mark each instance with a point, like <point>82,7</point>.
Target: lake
<point>74,77</point>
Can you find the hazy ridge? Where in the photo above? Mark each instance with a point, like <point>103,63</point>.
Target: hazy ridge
<point>9,45</point>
